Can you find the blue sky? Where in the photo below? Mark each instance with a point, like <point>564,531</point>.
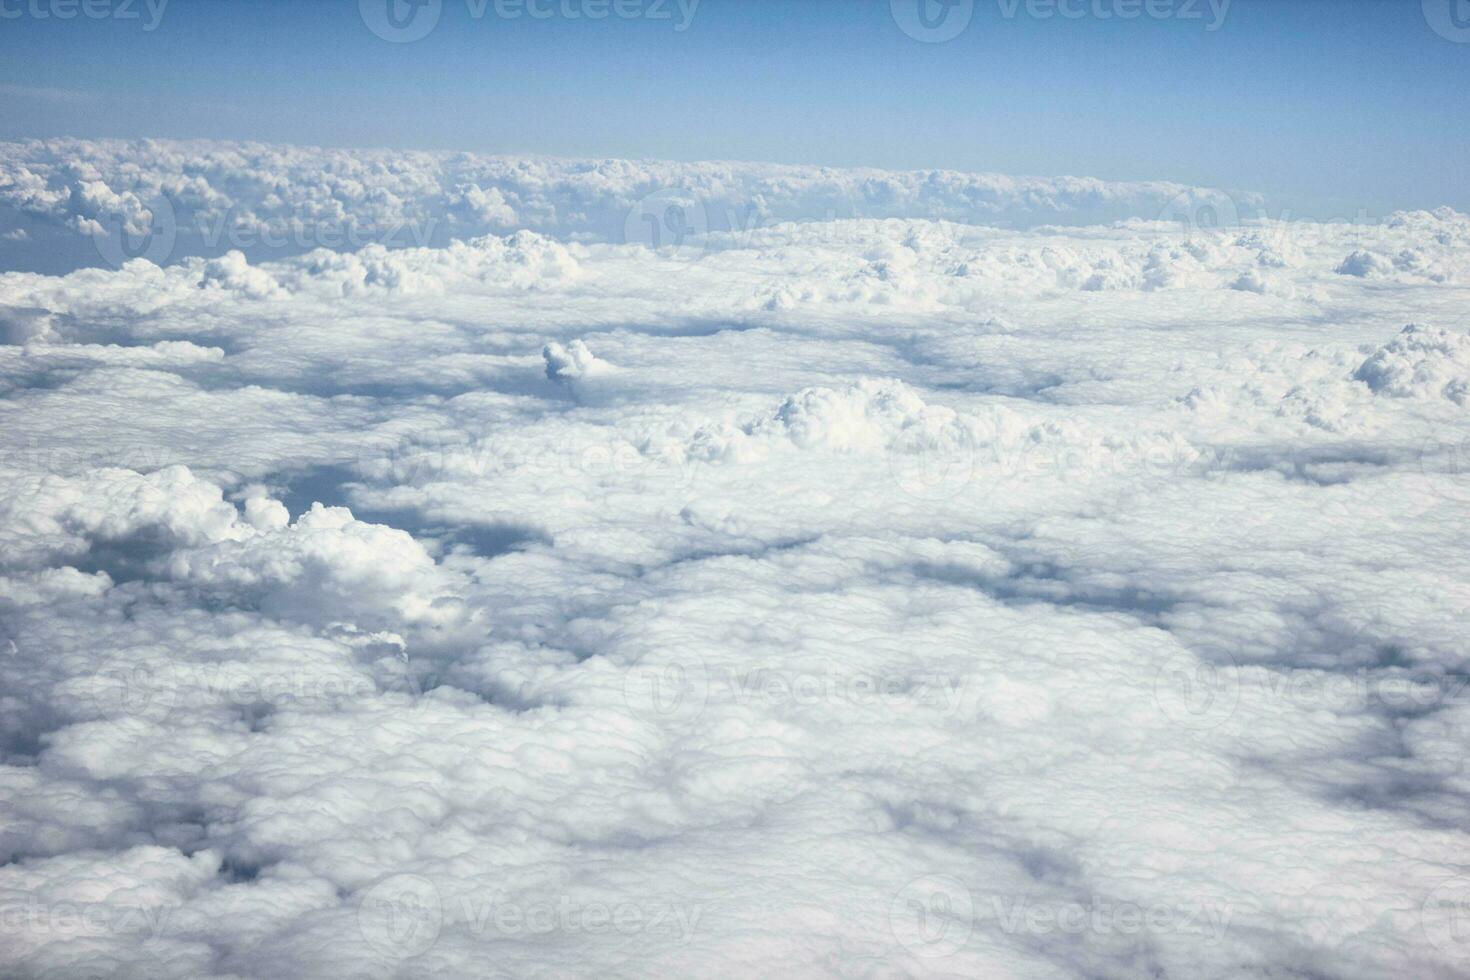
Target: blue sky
<point>1326,107</point>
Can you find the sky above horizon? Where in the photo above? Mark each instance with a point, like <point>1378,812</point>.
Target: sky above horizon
<point>1328,109</point>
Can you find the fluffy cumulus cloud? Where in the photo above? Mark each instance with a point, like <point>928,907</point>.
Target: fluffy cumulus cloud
<point>901,597</point>
<point>164,198</point>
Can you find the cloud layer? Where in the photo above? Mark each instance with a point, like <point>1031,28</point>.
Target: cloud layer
<point>865,597</point>
<point>165,199</point>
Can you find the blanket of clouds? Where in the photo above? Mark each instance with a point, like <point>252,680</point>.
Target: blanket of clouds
<point>884,594</point>
<point>266,200</point>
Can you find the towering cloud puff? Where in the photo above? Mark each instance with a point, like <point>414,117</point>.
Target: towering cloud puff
<point>1421,362</point>
<point>572,362</point>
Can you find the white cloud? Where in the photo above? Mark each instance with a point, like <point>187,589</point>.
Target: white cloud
<point>283,199</point>
<point>572,362</point>
<point>1421,362</point>
<point>966,600</point>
